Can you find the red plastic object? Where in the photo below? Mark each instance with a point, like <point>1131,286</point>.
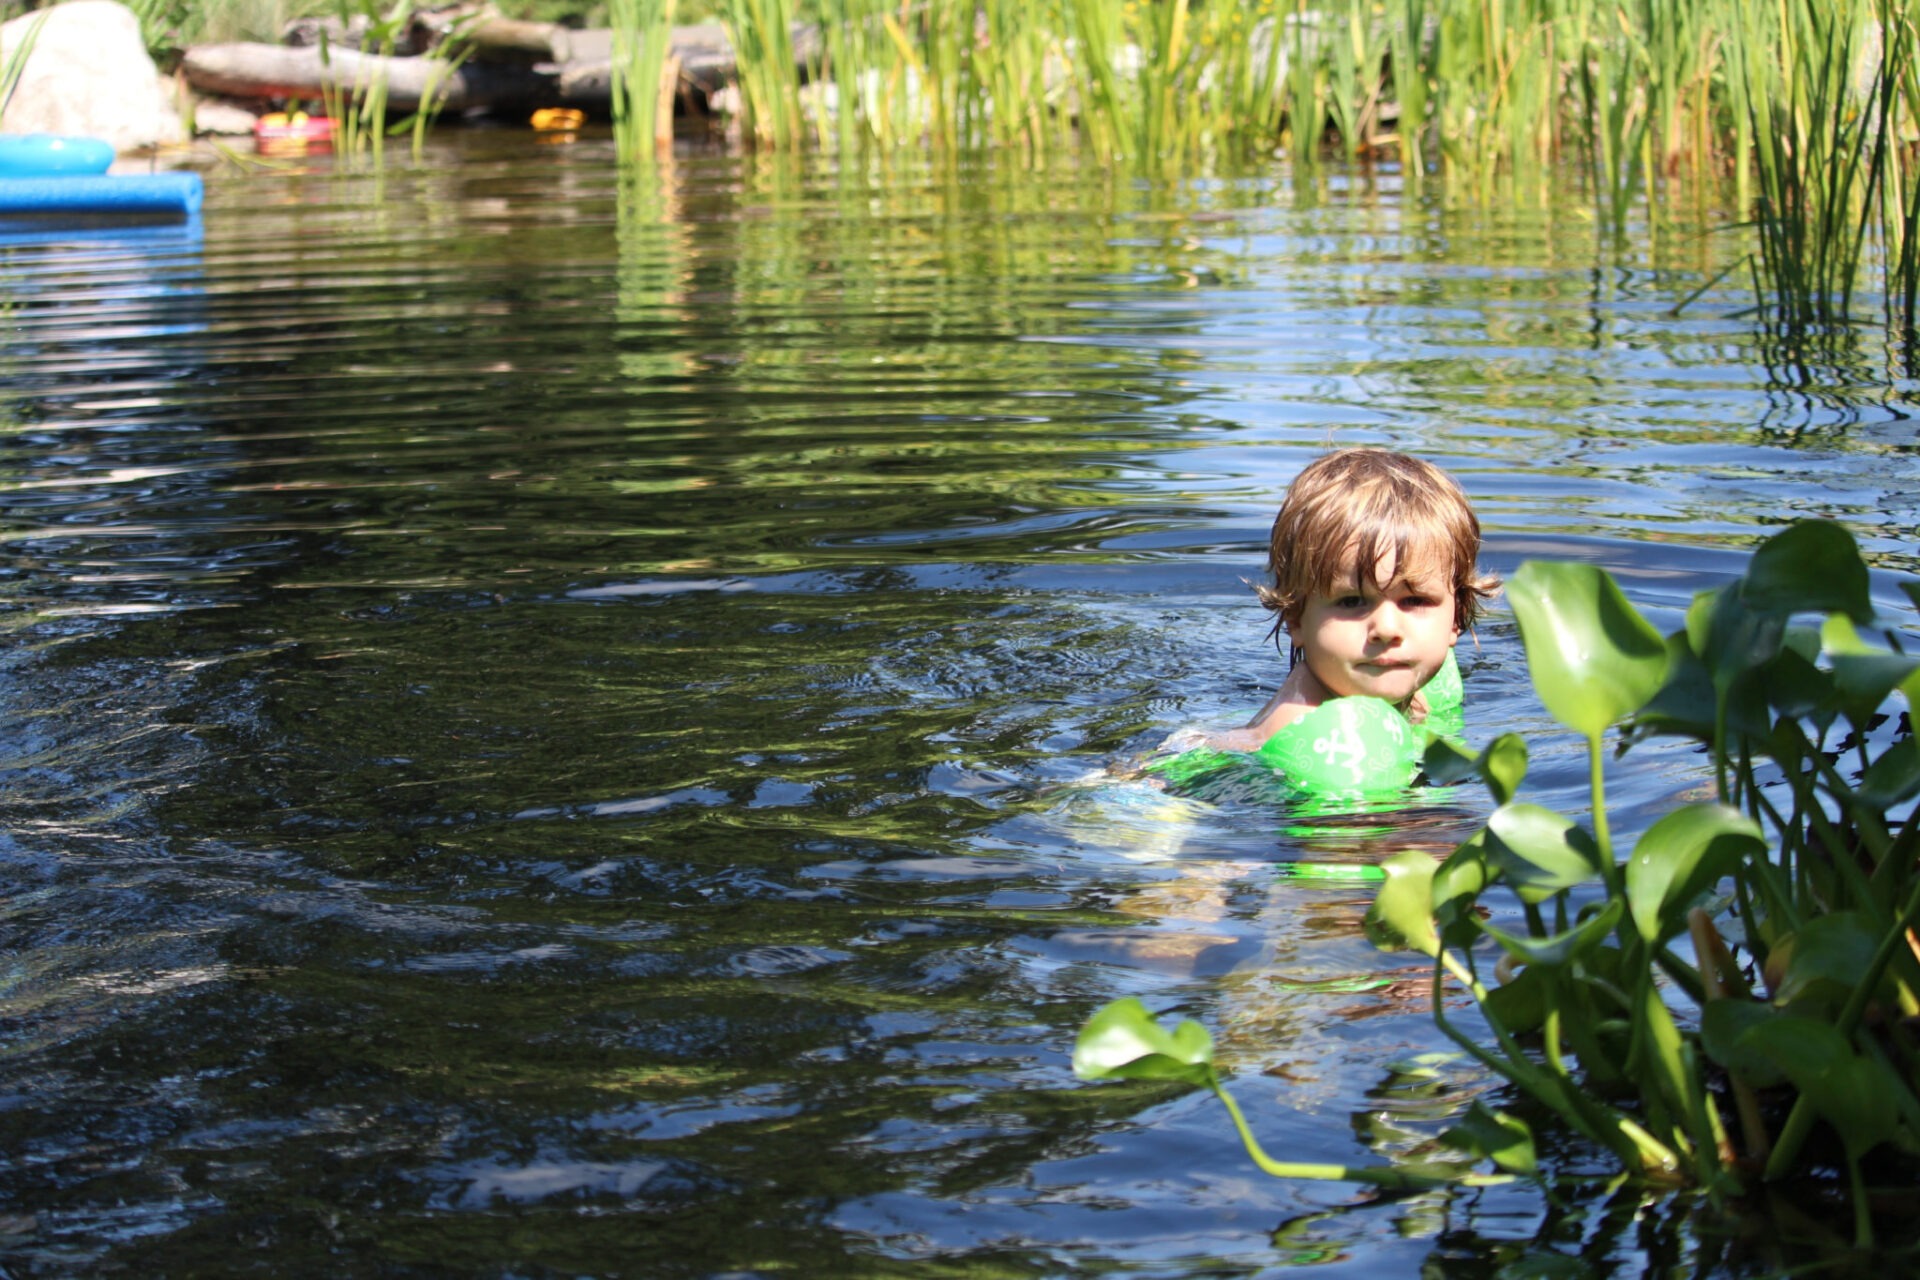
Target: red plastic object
<point>296,132</point>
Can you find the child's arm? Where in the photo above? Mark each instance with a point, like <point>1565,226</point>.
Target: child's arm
<point>1295,699</point>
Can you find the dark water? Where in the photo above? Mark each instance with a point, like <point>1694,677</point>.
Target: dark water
<point>554,729</point>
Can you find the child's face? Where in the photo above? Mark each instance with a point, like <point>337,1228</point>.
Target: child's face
<point>1387,643</point>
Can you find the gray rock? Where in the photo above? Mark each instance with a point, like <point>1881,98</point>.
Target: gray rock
<point>90,74</point>
<point>222,117</point>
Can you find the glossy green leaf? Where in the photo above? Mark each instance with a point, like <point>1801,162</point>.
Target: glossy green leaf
<point>1730,636</point>
<point>1594,660</point>
<point>1684,704</point>
<point>1679,857</point>
<point>1457,884</point>
<point>1723,1029</point>
<point>1811,566</point>
<point>1826,958</point>
<point>1401,917</point>
<point>1855,1095</point>
<point>1864,681</point>
<point>1123,1041</point>
<point>1894,776</point>
<point>1492,1135</point>
<point>1504,765</point>
<point>1565,947</point>
<point>1795,687</point>
<point>1446,762</point>
<point>1520,1004</point>
<point>1803,640</point>
<point>1539,852</point>
<point>1865,675</point>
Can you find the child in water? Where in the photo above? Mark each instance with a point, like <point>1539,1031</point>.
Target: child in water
<point>1374,562</point>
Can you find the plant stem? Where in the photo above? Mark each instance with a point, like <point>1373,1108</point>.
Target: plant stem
<point>1378,1175</point>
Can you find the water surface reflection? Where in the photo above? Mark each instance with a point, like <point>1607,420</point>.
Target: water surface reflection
<point>550,722</point>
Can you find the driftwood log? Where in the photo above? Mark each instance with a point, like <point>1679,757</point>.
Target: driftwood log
<point>275,71</point>
<point>542,66</point>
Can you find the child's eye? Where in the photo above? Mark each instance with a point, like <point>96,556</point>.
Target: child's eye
<point>1350,602</point>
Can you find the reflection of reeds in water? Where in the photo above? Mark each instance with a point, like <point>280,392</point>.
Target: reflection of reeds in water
<point>1811,111</point>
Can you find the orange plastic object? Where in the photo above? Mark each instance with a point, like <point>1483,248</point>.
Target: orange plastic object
<point>558,119</point>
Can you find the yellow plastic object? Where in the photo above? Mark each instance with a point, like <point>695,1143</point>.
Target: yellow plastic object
<point>558,119</point>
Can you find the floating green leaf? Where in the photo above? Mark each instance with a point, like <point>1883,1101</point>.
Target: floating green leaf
<point>1122,1040</point>
<point>1492,1135</point>
<point>1810,566</point>
<point>1401,917</point>
<point>1539,852</point>
<point>1679,857</point>
<point>1594,660</point>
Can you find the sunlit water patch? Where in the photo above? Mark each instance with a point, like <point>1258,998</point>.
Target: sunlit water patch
<point>560,726</point>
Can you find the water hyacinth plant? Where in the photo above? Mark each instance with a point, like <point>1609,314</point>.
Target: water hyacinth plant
<point>1744,977</point>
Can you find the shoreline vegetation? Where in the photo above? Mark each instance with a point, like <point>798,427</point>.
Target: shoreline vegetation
<point>1808,113</point>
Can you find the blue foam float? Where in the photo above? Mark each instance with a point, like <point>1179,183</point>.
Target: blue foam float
<point>44,175</point>
<point>175,195</point>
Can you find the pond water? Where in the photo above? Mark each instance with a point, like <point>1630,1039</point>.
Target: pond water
<point>556,728</point>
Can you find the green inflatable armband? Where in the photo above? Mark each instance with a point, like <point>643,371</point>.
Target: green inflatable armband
<point>1345,747</point>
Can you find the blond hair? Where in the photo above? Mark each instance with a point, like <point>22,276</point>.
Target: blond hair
<point>1356,511</point>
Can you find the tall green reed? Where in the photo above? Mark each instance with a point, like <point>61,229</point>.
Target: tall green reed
<point>1810,109</point>
<point>1820,150</point>
<point>767,70</point>
<point>446,56</point>
<point>642,35</point>
<point>872,73</point>
<point>359,109</point>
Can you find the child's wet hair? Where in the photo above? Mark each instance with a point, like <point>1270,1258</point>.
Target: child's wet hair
<point>1359,510</point>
